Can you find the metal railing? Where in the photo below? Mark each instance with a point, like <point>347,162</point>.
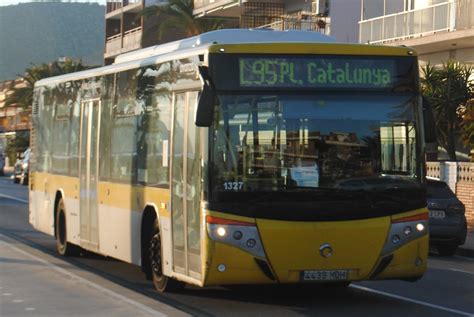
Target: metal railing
<point>295,24</point>
<point>409,24</point>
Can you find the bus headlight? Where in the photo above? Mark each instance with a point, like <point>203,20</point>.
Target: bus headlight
<point>241,234</point>
<point>221,231</point>
<point>251,243</point>
<point>420,227</point>
<point>401,231</point>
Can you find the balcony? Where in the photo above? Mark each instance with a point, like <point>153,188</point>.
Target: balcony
<point>225,8</point>
<point>132,39</point>
<point>113,46</point>
<point>441,18</point>
<point>285,24</point>
<point>118,44</point>
<point>115,7</point>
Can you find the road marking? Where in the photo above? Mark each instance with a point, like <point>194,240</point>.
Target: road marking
<point>461,271</point>
<point>13,198</point>
<point>371,290</point>
<point>142,307</point>
<point>17,301</point>
<point>7,294</point>
<point>30,308</point>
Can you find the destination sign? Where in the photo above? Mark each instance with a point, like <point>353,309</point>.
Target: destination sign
<point>316,72</point>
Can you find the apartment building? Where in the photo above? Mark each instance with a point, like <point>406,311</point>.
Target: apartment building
<point>309,15</point>
<point>13,118</point>
<point>126,29</point>
<point>438,29</point>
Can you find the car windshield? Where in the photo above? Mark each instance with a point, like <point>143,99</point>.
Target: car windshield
<point>273,142</point>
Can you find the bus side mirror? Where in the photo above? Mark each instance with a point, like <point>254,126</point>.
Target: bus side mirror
<point>429,122</point>
<point>205,106</point>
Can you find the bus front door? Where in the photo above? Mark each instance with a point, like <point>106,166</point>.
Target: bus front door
<point>88,174</point>
<point>185,188</point>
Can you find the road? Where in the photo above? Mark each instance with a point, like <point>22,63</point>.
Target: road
<point>35,281</point>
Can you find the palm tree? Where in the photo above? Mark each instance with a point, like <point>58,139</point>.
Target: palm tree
<point>467,125</point>
<point>179,15</point>
<point>448,89</point>
<point>23,96</point>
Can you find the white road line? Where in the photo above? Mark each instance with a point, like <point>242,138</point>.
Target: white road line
<point>371,290</point>
<point>461,271</point>
<point>144,308</point>
<point>13,198</point>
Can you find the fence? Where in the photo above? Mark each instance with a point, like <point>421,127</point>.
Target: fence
<point>460,178</point>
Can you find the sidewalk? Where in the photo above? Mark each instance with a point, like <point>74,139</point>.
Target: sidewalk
<point>34,283</point>
<point>467,249</point>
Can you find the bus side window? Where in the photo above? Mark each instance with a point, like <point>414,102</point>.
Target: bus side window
<point>124,130</point>
<point>153,128</point>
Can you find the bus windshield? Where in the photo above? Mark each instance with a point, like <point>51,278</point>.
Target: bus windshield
<point>282,142</point>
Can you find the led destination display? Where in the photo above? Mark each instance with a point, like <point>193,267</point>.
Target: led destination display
<point>315,72</point>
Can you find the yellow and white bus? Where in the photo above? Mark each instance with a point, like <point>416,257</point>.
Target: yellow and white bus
<point>238,157</point>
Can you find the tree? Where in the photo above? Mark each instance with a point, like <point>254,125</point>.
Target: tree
<point>179,15</point>
<point>23,96</point>
<point>448,89</point>
<point>467,125</point>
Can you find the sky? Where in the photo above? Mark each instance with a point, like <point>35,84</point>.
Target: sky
<point>10,2</point>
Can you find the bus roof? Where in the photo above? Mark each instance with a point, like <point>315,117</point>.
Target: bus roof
<point>196,44</point>
<point>228,36</point>
<point>202,43</point>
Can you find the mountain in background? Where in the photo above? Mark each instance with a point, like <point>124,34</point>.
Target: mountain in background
<point>35,33</point>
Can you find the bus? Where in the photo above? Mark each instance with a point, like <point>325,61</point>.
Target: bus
<point>238,157</point>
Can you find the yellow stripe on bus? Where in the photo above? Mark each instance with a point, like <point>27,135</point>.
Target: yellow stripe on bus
<point>317,48</point>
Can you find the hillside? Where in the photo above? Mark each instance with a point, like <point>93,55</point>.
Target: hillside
<point>42,32</point>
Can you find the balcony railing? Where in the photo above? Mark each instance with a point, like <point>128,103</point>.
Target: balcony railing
<point>200,4</point>
<point>295,24</point>
<point>113,5</point>
<point>411,24</point>
<point>113,45</point>
<point>117,44</point>
<point>132,39</point>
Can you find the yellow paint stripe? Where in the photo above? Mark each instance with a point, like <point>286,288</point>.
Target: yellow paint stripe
<point>119,195</point>
<point>310,48</point>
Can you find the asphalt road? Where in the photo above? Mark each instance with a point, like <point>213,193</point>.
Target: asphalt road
<point>35,281</point>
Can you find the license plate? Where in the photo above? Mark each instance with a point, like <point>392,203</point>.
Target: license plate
<point>437,214</point>
<point>327,275</point>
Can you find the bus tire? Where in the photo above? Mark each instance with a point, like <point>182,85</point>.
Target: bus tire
<point>162,283</point>
<point>64,248</point>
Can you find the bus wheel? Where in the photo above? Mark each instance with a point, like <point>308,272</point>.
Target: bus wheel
<point>162,283</point>
<point>64,248</point>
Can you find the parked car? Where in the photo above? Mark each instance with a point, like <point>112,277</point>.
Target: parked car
<point>22,168</point>
<point>2,164</point>
<point>448,226</point>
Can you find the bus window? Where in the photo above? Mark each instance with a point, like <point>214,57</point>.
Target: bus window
<point>124,130</point>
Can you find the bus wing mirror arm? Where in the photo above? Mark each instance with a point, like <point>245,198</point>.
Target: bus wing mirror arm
<point>206,101</point>
<point>429,122</point>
